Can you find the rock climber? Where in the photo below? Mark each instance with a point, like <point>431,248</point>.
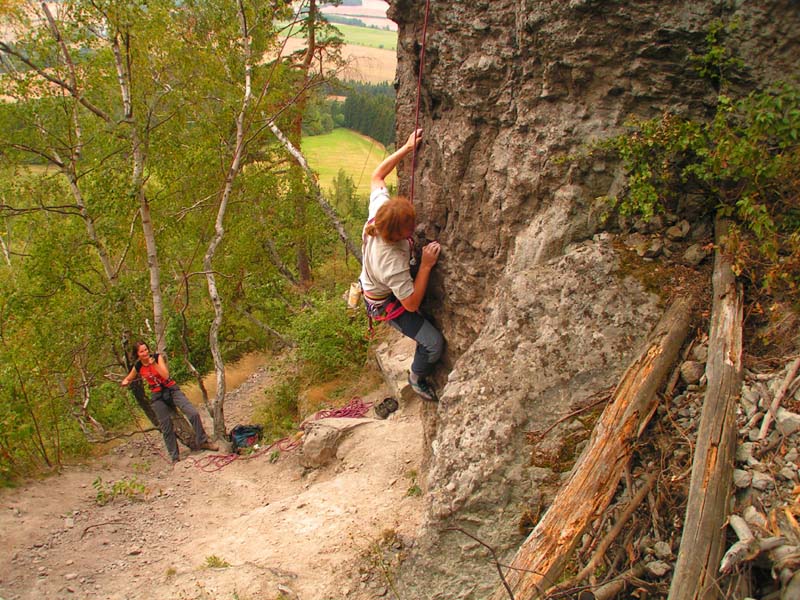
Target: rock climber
<point>165,395</point>
<point>390,292</point>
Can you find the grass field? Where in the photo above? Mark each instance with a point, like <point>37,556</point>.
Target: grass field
<point>344,149</point>
<point>364,36</point>
<point>367,36</point>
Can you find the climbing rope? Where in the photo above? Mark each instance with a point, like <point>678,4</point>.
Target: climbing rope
<point>419,88</point>
<point>355,409</point>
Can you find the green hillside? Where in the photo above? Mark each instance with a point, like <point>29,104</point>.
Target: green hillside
<point>367,36</point>
<point>361,36</point>
<point>344,149</point>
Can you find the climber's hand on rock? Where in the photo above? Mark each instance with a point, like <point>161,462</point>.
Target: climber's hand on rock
<point>430,254</point>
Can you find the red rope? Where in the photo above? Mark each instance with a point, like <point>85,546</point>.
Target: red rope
<point>356,409</point>
<point>419,88</point>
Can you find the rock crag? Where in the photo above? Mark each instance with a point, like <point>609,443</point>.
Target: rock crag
<point>530,292</point>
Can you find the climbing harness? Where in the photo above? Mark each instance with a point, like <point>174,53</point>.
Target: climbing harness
<point>419,88</point>
<point>390,310</point>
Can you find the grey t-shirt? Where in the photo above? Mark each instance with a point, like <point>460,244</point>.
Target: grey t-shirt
<point>385,269</point>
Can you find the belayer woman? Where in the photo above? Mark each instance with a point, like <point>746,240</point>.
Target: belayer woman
<point>165,394</point>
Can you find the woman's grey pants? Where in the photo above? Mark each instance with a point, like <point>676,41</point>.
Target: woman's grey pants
<point>430,342</point>
<point>174,398</point>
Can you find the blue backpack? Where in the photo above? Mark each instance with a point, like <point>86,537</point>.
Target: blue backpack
<point>245,436</point>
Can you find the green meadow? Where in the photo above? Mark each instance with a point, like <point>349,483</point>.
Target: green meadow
<point>344,149</point>
<point>363,36</point>
<point>367,36</point>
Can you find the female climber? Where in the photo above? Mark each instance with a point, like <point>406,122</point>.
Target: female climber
<point>390,292</point>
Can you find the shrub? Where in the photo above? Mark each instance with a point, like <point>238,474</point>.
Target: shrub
<point>278,416</point>
<point>745,161</point>
<point>330,338</point>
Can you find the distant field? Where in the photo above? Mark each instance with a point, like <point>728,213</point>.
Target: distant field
<point>370,54</point>
<point>367,36</point>
<point>369,65</point>
<point>362,36</point>
<point>371,12</point>
<point>344,149</point>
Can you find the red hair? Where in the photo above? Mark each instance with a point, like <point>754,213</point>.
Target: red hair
<point>393,219</point>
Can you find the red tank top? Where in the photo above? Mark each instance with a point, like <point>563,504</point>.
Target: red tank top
<point>151,376</point>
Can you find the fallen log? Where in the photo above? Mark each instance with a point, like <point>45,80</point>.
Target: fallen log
<point>702,543</point>
<point>595,476</point>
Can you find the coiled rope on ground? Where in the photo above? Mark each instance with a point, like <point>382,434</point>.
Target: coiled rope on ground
<point>355,409</point>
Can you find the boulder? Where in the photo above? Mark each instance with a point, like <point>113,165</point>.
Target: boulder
<point>322,439</point>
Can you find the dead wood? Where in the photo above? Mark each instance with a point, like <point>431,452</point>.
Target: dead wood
<point>613,588</point>
<point>776,402</point>
<point>491,550</point>
<point>712,467</point>
<point>602,548</point>
<point>88,527</point>
<point>594,478</point>
<point>111,438</point>
<point>745,549</point>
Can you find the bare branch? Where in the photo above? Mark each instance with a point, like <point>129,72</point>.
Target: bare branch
<point>326,207</point>
<point>54,160</point>
<point>64,209</point>
<point>5,48</point>
<point>494,557</point>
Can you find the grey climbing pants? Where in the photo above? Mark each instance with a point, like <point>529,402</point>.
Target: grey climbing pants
<point>164,402</point>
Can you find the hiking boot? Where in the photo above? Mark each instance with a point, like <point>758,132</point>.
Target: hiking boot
<point>209,445</point>
<point>422,389</point>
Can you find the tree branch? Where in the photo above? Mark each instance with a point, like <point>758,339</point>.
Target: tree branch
<point>326,207</point>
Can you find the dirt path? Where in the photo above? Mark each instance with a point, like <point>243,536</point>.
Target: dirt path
<point>282,530</point>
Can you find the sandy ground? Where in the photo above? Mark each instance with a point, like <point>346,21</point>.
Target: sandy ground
<point>368,65</point>
<point>254,529</point>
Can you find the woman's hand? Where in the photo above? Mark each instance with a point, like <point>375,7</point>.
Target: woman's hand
<point>430,254</point>
<point>378,179</point>
<point>414,138</point>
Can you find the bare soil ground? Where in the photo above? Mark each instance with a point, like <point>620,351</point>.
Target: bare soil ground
<point>254,529</point>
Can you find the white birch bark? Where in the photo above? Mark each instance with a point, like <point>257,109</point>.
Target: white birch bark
<point>217,405</point>
<point>137,191</point>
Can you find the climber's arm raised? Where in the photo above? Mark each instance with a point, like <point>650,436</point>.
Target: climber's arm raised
<point>390,162</point>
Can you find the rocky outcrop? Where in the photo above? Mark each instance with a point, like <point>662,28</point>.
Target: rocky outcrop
<point>538,312</point>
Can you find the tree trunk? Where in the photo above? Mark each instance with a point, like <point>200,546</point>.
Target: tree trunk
<point>298,195</point>
<point>298,190</point>
<point>702,544</point>
<point>217,406</point>
<point>593,481</point>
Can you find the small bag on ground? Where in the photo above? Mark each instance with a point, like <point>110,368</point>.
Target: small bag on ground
<point>245,436</point>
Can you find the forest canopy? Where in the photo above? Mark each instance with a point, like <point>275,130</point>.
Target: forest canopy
<point>144,194</point>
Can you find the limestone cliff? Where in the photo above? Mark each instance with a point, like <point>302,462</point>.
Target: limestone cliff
<point>529,293</point>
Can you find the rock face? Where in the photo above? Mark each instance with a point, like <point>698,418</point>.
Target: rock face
<point>536,309</point>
